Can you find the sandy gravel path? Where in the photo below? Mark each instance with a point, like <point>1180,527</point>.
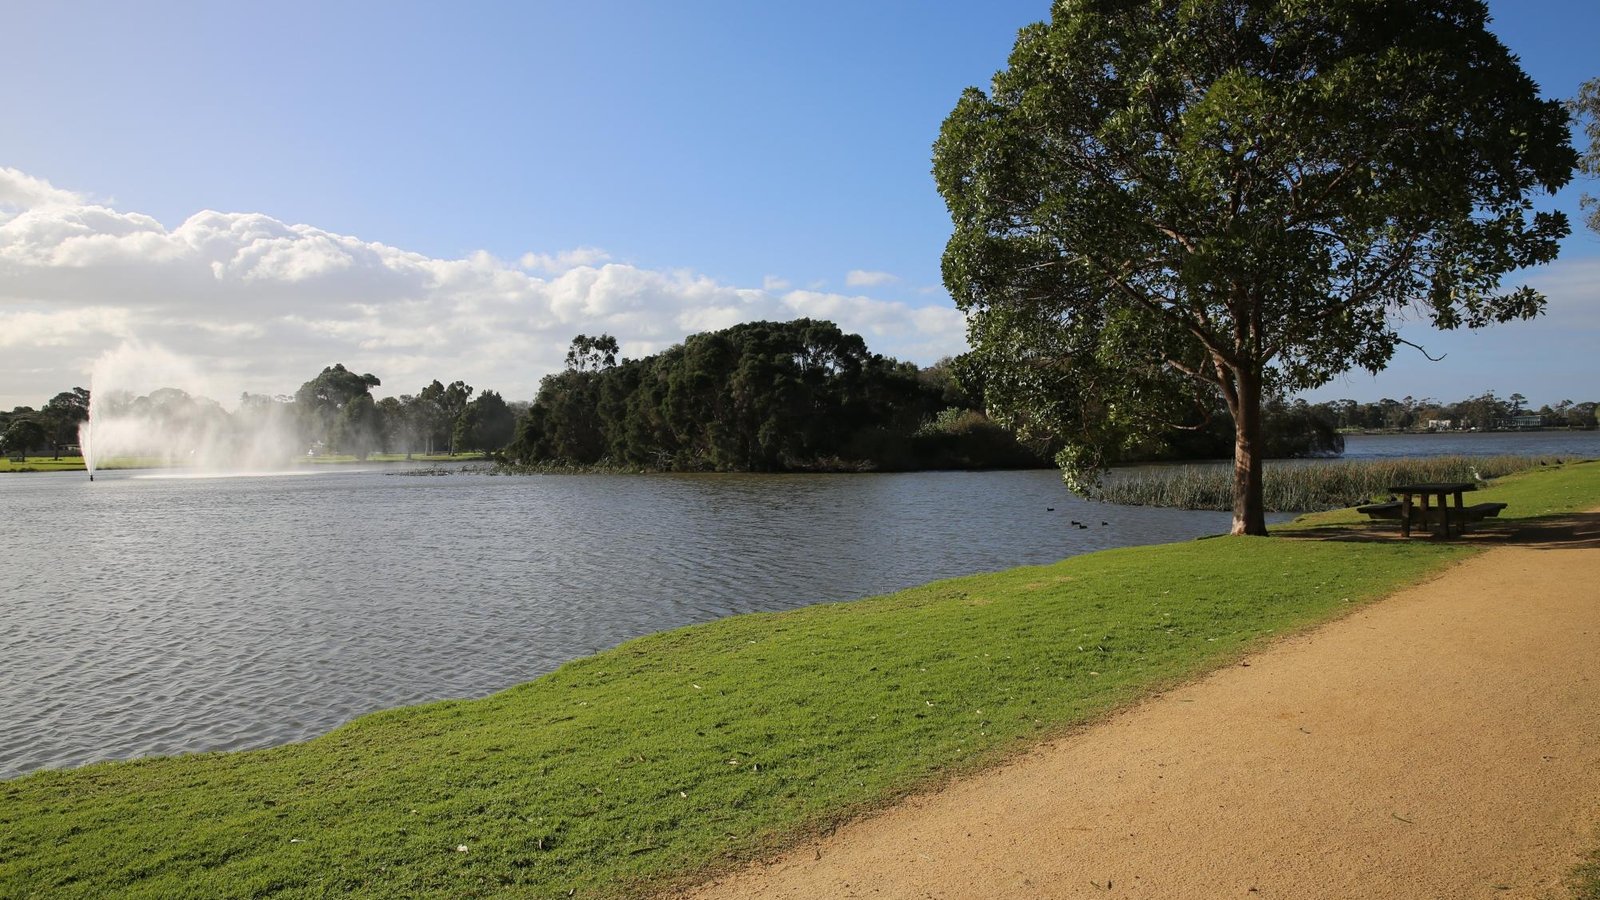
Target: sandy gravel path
<point>1442,743</point>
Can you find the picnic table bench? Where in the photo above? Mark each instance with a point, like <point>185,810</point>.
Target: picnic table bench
<point>1415,509</point>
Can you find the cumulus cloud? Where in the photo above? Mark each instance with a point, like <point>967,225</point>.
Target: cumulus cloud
<point>262,305</point>
<point>18,190</point>
<point>561,261</point>
<point>864,278</point>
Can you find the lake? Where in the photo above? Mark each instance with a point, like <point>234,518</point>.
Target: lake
<point>1565,444</point>
<point>148,614</point>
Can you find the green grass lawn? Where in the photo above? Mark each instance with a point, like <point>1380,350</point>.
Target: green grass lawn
<point>691,749</point>
<point>75,463</point>
<point>42,464</point>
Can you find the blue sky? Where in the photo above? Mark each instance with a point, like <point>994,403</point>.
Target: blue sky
<point>709,161</point>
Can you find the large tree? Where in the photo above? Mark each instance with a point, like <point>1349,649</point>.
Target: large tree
<point>439,407</point>
<point>487,424</point>
<point>1163,202</point>
<point>1586,106</point>
<point>62,415</point>
<point>22,434</point>
<point>321,401</point>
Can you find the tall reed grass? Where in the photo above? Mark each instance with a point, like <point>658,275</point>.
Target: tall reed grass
<point>1299,487</point>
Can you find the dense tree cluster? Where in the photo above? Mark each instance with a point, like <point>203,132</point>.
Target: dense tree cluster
<point>54,426</point>
<point>764,396</point>
<point>332,413</point>
<point>337,414</point>
<point>760,397</point>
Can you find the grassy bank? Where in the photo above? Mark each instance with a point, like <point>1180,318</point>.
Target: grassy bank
<point>701,746</point>
<point>1301,487</point>
<point>75,463</point>
<point>42,464</point>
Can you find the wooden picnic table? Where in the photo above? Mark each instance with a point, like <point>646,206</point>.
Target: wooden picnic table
<point>1442,491</point>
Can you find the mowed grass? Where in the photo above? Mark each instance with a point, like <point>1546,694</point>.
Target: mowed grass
<point>684,751</point>
<point>42,464</point>
<point>75,463</point>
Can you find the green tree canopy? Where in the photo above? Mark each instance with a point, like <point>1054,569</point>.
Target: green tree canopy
<point>359,427</point>
<point>24,433</point>
<point>321,401</point>
<point>760,396</point>
<point>588,354</point>
<point>62,415</point>
<point>1586,106</point>
<point>486,424</point>
<point>1166,201</point>
<point>438,407</point>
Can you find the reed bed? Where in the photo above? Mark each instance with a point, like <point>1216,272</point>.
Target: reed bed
<point>1300,486</point>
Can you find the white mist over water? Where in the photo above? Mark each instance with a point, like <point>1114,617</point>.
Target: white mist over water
<point>153,406</point>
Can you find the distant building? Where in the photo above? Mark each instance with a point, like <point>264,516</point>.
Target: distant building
<point>1527,421</point>
<point>1441,424</point>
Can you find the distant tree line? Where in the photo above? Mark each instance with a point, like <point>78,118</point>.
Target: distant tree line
<point>333,413</point>
<point>759,397</point>
<point>337,414</point>
<point>52,427</point>
<point>1485,412</point>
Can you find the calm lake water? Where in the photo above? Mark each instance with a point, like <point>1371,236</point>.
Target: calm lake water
<point>146,614</point>
<point>1565,444</point>
<point>142,614</point>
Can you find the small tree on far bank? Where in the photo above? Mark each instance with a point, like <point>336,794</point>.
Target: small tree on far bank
<point>22,435</point>
<point>486,425</point>
<point>1161,203</point>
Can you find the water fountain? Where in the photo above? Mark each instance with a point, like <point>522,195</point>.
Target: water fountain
<point>150,405</point>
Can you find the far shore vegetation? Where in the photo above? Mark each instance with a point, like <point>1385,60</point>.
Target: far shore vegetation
<point>762,396</point>
<point>682,753</point>
<point>1301,487</point>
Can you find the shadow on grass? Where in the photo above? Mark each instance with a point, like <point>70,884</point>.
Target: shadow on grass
<point>1564,531</point>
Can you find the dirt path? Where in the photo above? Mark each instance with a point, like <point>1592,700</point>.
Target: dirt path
<point>1443,743</point>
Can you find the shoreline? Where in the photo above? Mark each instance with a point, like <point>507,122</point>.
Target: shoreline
<point>829,710</point>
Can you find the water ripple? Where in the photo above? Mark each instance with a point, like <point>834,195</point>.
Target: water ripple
<point>147,616</point>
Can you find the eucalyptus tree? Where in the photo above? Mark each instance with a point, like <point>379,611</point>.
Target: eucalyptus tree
<point>62,415</point>
<point>360,426</point>
<point>1163,201</point>
<point>441,406</point>
<point>321,401</point>
<point>1586,106</point>
<point>487,424</point>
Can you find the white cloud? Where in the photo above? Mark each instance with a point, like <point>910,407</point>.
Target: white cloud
<point>864,278</point>
<point>19,190</point>
<point>264,305</point>
<point>30,328</point>
<point>561,261</point>
<point>774,283</point>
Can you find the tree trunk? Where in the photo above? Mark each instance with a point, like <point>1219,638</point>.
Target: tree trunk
<point>1249,515</point>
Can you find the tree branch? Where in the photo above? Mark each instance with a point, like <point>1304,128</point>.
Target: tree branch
<point>1420,349</point>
